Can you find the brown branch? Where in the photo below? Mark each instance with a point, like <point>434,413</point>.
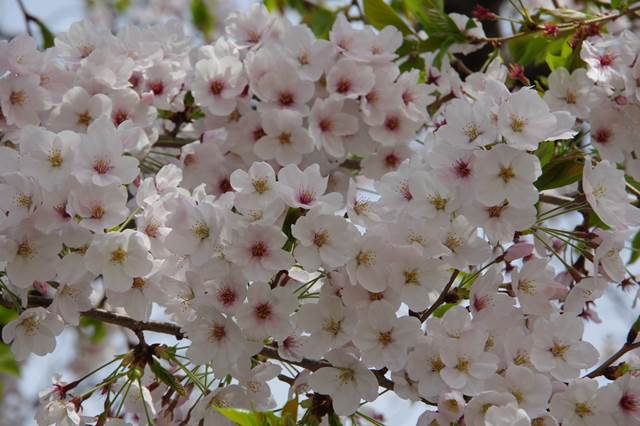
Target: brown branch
<point>603,368</point>
<point>497,41</point>
<point>441,299</point>
<point>172,329</point>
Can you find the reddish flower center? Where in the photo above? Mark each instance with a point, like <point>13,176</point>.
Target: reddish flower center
<point>225,185</point>
<point>407,97</point>
<point>629,402</point>
<point>216,87</point>
<point>227,296</point>
<point>258,134</point>
<point>262,311</point>
<point>606,60</point>
<point>325,125</point>
<point>306,197</point>
<point>102,167</point>
<point>218,332</point>
<point>259,249</point>
<point>157,87</point>
<point>391,160</point>
<point>285,99</point>
<point>119,117</point>
<point>602,135</point>
<point>462,168</point>
<point>343,86</point>
<point>392,123</point>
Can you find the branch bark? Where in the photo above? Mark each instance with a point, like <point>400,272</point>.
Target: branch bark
<point>174,330</point>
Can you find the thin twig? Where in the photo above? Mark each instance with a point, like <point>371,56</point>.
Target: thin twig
<point>602,368</point>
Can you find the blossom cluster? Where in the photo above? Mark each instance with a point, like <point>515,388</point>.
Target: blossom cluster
<point>262,232</point>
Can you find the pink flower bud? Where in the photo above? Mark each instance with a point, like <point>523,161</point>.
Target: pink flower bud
<point>518,251</point>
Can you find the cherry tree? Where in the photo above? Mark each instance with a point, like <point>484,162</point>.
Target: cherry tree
<point>339,200</point>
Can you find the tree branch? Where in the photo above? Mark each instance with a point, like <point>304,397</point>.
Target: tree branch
<point>602,368</point>
<point>441,299</point>
<point>174,330</point>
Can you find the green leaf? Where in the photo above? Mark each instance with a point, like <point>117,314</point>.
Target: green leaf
<point>166,377</point>
<point>249,418</point>
<point>565,14</point>
<point>441,310</point>
<point>121,6</point>
<point>559,174</point>
<point>545,152</point>
<point>435,22</point>
<point>380,14</point>
<point>290,410</point>
<point>620,4</point>
<point>321,21</point>
<point>8,363</point>
<point>635,249</point>
<point>47,35</point>
<point>202,18</point>
<point>529,50</point>
<point>96,330</point>
<point>7,315</point>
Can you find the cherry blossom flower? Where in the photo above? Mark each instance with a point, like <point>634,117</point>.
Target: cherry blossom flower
<point>119,257</point>
<point>267,312</point>
<point>580,404</point>
<point>257,249</point>
<point>347,381</point>
<point>558,349</point>
<point>34,331</point>
<point>285,139</point>
<point>306,189</point>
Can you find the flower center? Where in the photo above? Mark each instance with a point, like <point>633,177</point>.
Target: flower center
<point>471,131</point>
<point>436,365</point>
<point>24,249</point>
<point>55,158</point>
<point>392,123</point>
<point>602,136</point>
<point>218,332</point>
<point>506,174</point>
<point>462,168</point>
<point>84,118</point>
<point>102,166</point>
<point>495,211</point>
<point>582,409</point>
<point>260,185</point>
<point>518,123</point>
<point>303,59</point>
<point>139,283</point>
<point>259,249</point>
<point>360,207</point>
<point>385,338</point>
<point>201,231</point>
<point>306,197</point>
<point>411,276</point>
<point>629,402</point>
<point>216,87</point>
<point>157,87</point>
<point>332,326</point>
<point>284,138</point>
<point>559,350</point>
<point>346,375</point>
<point>97,212</point>
<point>227,296</point>
<point>30,325</point>
<point>391,160</point>
<point>606,60</point>
<point>527,287</point>
<point>438,202</point>
<point>343,86</point>
<point>262,311</point>
<point>24,201</point>
<point>407,97</point>
<point>285,99</point>
<point>571,97</point>
<point>324,125</point>
<point>452,242</point>
<point>463,365</point>
<point>320,238</point>
<point>118,255</point>
<point>365,258</point>
<point>17,98</point>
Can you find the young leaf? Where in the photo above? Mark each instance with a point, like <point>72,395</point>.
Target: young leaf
<point>8,363</point>
<point>379,14</point>
<point>559,174</point>
<point>202,18</point>
<point>166,377</point>
<point>47,35</point>
<point>635,249</point>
